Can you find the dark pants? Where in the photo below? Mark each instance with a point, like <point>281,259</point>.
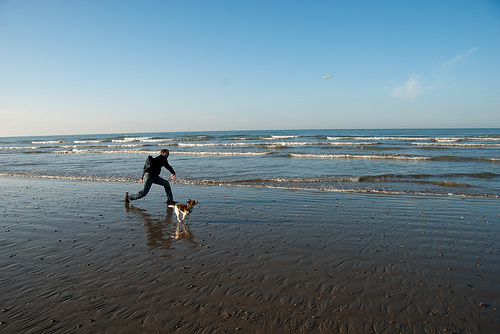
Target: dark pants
<point>148,182</point>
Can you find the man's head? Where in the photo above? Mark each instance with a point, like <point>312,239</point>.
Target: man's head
<point>165,152</point>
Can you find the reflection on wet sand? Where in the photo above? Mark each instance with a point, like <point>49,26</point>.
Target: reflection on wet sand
<point>160,230</point>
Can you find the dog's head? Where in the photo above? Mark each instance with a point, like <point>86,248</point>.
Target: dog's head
<point>191,202</point>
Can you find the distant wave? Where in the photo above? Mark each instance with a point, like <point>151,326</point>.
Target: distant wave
<point>173,137</point>
<point>48,142</point>
<point>101,151</point>
<point>220,153</point>
<point>281,137</point>
<point>19,147</point>
<point>355,156</point>
<point>484,138</point>
<point>90,141</point>
<point>71,177</point>
<point>379,138</point>
<point>412,144</point>
<point>447,140</point>
<point>151,152</point>
<point>88,150</point>
<point>274,144</point>
<point>390,157</point>
<point>455,144</point>
<point>141,139</point>
<point>430,139</point>
<point>215,144</point>
<point>319,150</point>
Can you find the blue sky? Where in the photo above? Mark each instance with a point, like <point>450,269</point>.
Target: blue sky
<point>83,66</point>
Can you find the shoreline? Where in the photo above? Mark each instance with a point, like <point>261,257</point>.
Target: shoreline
<point>231,184</point>
<point>248,260</point>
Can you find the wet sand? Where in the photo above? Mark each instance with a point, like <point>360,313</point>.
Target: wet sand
<point>75,259</point>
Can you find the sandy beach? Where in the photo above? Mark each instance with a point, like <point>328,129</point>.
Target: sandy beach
<point>74,258</point>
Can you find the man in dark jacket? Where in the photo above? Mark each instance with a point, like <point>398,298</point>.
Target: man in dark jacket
<point>151,174</point>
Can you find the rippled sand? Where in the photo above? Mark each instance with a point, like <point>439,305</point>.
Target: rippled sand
<point>75,259</point>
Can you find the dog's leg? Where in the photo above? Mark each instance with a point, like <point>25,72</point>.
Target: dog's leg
<point>177,214</point>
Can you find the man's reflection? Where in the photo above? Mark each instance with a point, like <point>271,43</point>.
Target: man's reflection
<point>160,231</point>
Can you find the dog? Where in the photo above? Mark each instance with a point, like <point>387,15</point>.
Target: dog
<point>185,209</point>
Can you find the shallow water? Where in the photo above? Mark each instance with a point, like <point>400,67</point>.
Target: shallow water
<point>460,162</point>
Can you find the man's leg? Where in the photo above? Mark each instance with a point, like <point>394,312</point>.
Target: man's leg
<point>147,182</point>
<point>166,185</point>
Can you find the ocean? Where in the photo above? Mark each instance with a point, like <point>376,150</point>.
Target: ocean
<point>427,162</point>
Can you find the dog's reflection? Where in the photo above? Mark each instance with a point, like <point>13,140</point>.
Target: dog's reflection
<point>161,230</point>
<point>184,232</point>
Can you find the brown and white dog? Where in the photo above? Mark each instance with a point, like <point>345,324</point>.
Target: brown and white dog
<point>185,209</point>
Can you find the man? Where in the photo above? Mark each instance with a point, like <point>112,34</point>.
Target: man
<point>151,174</point>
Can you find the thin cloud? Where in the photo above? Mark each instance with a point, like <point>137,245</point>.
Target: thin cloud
<point>414,87</point>
<point>448,64</point>
<point>411,89</point>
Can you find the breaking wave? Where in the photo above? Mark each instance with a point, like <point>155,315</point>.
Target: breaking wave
<point>390,157</point>
<point>425,161</point>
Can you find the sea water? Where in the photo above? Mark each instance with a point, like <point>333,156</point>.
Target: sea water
<point>447,162</point>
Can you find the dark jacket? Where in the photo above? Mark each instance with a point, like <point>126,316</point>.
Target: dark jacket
<point>156,165</point>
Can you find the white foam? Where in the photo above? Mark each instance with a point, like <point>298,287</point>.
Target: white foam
<point>281,137</point>
<point>379,138</point>
<point>355,156</point>
<point>484,138</point>
<point>100,151</point>
<point>454,144</point>
<point>220,153</point>
<point>341,143</point>
<point>48,142</point>
<point>216,144</point>
<point>87,141</point>
<point>20,147</point>
<point>141,139</point>
<point>447,140</point>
